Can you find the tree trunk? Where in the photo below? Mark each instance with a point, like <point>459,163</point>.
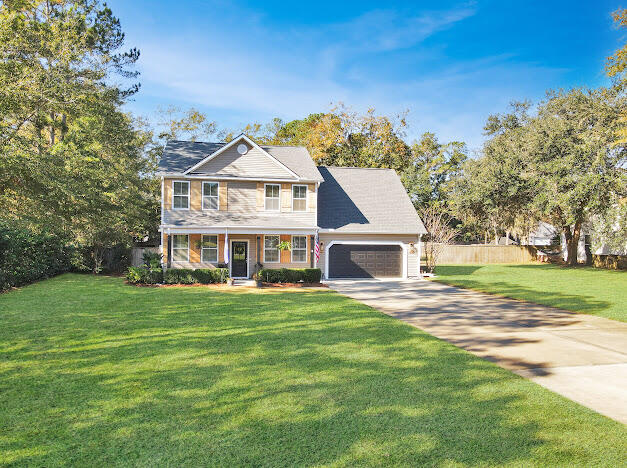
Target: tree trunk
<point>485,237</point>
<point>572,242</point>
<point>496,237</point>
<point>506,237</point>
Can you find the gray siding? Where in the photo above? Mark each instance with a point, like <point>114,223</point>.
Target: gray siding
<point>252,164</point>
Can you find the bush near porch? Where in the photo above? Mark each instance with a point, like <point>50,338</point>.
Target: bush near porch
<point>290,275</point>
<point>147,275</point>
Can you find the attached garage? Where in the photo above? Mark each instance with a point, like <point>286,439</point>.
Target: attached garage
<point>365,261</point>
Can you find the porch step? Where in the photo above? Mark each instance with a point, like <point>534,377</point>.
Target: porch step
<point>243,282</point>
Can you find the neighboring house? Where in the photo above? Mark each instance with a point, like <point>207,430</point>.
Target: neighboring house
<point>237,201</point>
<point>543,235</point>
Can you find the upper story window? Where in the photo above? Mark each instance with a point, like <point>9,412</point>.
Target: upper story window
<point>209,195</point>
<point>272,197</point>
<point>180,195</point>
<point>299,198</point>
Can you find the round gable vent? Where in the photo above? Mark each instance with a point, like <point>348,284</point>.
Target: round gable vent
<point>242,148</point>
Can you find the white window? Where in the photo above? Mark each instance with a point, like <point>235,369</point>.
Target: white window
<point>180,195</point>
<point>209,251</point>
<point>299,198</point>
<point>271,249</point>
<point>299,248</point>
<point>273,199</point>
<point>180,247</point>
<point>209,195</point>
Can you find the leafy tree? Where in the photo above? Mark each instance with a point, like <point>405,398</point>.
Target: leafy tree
<point>615,67</point>
<point>572,159</point>
<point>190,124</point>
<point>432,169</point>
<point>617,62</point>
<point>561,166</point>
<point>492,193</point>
<point>69,158</point>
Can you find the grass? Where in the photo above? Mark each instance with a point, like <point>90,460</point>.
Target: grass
<point>584,290</point>
<point>97,373</point>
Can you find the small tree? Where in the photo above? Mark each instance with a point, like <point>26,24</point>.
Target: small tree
<point>441,233</point>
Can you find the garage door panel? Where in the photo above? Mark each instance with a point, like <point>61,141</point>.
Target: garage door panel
<point>365,261</point>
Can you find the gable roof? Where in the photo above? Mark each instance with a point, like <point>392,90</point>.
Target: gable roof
<point>185,156</point>
<point>361,200</point>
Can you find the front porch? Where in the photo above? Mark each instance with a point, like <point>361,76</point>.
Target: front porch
<point>207,248</point>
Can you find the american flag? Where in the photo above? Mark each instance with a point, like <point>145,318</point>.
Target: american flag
<point>317,248</point>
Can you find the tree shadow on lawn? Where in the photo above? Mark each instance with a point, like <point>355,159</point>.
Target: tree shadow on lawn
<point>280,379</point>
<point>571,302</point>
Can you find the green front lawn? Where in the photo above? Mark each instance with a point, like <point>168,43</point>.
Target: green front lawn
<point>585,290</point>
<point>97,373</point>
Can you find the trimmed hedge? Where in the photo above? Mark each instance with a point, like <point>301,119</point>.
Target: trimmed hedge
<point>27,256</point>
<point>145,275</point>
<point>290,275</point>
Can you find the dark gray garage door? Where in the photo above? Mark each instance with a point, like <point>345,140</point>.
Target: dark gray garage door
<point>365,261</point>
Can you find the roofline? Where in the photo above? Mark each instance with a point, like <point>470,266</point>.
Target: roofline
<point>356,167</point>
<point>403,233</point>
<point>182,175</point>
<point>239,137</point>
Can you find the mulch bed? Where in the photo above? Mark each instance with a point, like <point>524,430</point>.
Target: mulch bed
<point>294,285</point>
<point>225,285</point>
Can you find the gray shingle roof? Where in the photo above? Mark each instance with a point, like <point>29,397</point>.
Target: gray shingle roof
<point>363,200</point>
<point>179,156</point>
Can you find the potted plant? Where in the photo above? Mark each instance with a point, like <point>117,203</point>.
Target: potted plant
<point>257,275</point>
<point>284,245</point>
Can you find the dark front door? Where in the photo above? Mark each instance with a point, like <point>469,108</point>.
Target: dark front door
<point>239,259</point>
<point>365,261</point>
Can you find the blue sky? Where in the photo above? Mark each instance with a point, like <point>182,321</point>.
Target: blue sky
<point>451,64</point>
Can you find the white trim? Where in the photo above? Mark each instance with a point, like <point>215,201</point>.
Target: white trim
<point>292,249</point>
<point>419,252</point>
<point>181,175</point>
<point>235,230</point>
<point>173,248</point>
<point>264,248</point>
<point>265,208</point>
<point>162,210</point>
<point>232,143</point>
<point>231,257</point>
<point>202,195</point>
<point>306,193</point>
<point>189,187</point>
<point>373,242</point>
<point>217,248</point>
<point>366,233</point>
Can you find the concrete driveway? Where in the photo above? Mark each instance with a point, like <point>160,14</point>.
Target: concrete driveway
<point>579,356</point>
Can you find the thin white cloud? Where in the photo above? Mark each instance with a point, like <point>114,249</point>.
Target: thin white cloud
<point>293,72</point>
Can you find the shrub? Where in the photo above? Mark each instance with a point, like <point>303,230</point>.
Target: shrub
<point>179,276</point>
<point>312,275</point>
<point>290,275</point>
<point>27,256</point>
<point>143,275</point>
<point>211,275</point>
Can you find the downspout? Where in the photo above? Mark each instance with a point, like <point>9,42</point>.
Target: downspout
<point>161,230</point>
<point>419,252</point>
<point>169,265</point>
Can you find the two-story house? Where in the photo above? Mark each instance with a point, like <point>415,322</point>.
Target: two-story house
<point>234,203</point>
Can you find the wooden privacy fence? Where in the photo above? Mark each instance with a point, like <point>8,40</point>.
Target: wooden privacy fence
<point>487,254</point>
<point>138,254</point>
